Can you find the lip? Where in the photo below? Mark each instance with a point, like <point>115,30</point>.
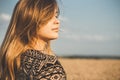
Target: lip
<point>55,29</point>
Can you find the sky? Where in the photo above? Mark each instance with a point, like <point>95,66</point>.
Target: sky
<point>88,27</point>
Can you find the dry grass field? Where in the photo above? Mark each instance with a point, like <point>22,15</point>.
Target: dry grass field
<point>91,69</point>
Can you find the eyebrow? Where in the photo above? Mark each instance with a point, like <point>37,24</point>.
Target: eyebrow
<point>57,12</point>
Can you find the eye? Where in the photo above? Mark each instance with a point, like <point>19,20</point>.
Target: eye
<point>56,14</point>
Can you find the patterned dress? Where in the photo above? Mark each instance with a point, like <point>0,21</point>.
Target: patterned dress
<point>36,65</point>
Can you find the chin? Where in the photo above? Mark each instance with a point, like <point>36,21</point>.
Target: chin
<point>54,37</point>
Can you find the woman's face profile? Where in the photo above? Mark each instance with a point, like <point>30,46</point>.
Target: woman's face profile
<point>51,29</point>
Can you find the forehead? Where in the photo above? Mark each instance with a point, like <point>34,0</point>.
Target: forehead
<point>57,10</point>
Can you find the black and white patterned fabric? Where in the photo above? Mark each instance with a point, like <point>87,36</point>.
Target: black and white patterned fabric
<point>36,65</point>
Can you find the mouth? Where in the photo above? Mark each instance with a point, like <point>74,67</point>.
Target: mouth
<point>55,29</point>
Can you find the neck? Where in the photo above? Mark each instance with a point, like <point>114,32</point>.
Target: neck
<point>41,45</point>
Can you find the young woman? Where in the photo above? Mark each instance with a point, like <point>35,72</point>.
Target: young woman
<point>25,53</point>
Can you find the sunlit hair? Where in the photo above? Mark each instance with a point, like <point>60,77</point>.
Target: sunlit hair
<point>28,16</point>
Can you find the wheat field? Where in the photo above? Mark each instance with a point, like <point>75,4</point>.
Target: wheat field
<point>91,69</point>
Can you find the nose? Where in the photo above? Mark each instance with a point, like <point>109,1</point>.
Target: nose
<point>57,21</point>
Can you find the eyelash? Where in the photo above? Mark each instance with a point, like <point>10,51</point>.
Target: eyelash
<point>57,16</point>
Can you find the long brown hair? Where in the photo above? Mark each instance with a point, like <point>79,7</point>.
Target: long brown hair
<point>28,16</point>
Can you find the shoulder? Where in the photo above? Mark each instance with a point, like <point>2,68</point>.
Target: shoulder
<point>36,65</point>
<point>34,60</point>
<point>35,54</point>
<point>31,60</point>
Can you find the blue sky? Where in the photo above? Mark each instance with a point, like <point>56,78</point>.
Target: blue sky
<point>88,27</point>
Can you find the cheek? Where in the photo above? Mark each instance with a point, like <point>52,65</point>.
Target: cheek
<point>48,33</point>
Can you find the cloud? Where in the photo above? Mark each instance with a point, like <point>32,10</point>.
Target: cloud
<point>4,21</point>
<point>72,37</point>
<point>67,34</point>
<point>62,18</point>
<point>95,37</point>
<point>87,37</point>
<point>5,17</point>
